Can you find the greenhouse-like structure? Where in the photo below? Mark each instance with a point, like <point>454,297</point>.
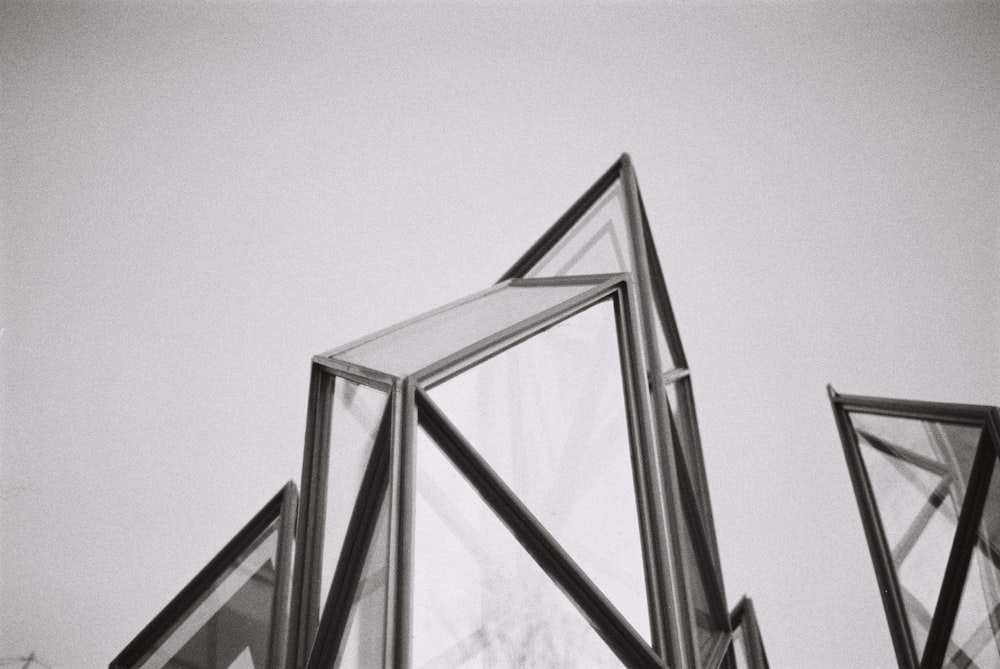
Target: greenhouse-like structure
<point>511,480</point>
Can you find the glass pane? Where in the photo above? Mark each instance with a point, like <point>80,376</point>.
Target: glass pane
<point>549,416</point>
<point>355,414</point>
<point>232,625</point>
<point>598,243</point>
<point>975,639</point>
<point>678,396</point>
<point>708,626</point>
<point>479,599</point>
<point>414,345</point>
<point>918,471</point>
<point>953,446</point>
<point>364,643</point>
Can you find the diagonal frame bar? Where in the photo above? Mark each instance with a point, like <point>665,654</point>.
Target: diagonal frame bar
<point>357,541</point>
<point>605,619</point>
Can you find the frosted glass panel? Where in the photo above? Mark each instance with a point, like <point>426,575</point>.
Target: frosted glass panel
<point>479,599</point>
<point>549,416</point>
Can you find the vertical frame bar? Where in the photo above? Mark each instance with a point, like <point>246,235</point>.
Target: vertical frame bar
<point>304,613</point>
<point>283,586</point>
<point>680,617</point>
<point>399,608</point>
<point>643,464</point>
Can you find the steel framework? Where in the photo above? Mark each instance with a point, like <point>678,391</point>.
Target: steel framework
<point>514,479</point>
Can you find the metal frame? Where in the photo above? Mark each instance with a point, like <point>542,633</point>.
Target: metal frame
<point>744,617</point>
<point>665,455</point>
<point>653,305</point>
<point>967,529</point>
<point>304,617</point>
<point>663,470</point>
<point>410,405</point>
<point>283,508</point>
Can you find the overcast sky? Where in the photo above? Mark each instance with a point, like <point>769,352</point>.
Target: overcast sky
<point>196,198</point>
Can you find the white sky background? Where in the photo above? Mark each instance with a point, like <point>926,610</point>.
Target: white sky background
<point>197,198</point>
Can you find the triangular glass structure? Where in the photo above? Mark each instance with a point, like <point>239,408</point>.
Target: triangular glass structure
<point>924,478</point>
<point>513,479</point>
<point>549,389</point>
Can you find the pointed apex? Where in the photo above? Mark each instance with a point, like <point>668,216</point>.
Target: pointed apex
<point>830,391</point>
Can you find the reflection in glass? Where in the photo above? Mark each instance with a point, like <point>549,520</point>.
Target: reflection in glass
<point>975,638</point>
<point>364,643</point>
<point>232,625</point>
<point>479,599</point>
<point>355,414</point>
<point>918,472</point>
<point>549,416</point>
<point>598,243</point>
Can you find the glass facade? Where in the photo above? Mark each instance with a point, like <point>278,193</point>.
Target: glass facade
<point>514,479</point>
<point>925,478</point>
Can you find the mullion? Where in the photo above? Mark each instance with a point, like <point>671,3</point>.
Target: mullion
<point>357,541</point>
<point>966,537</point>
<point>642,440</point>
<point>606,620</point>
<point>677,604</point>
<point>304,610</point>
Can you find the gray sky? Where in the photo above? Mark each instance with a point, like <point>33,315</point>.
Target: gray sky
<point>198,197</point>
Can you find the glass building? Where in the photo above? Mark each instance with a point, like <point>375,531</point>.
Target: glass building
<point>511,480</point>
<point>924,474</point>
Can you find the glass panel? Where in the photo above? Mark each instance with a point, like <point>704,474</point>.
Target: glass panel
<point>708,627</point>
<point>364,643</point>
<point>232,625</point>
<point>549,416</point>
<point>975,639</point>
<point>918,471</point>
<point>411,346</point>
<point>954,446</point>
<point>479,599</point>
<point>355,414</point>
<point>678,394</point>
<point>598,243</point>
